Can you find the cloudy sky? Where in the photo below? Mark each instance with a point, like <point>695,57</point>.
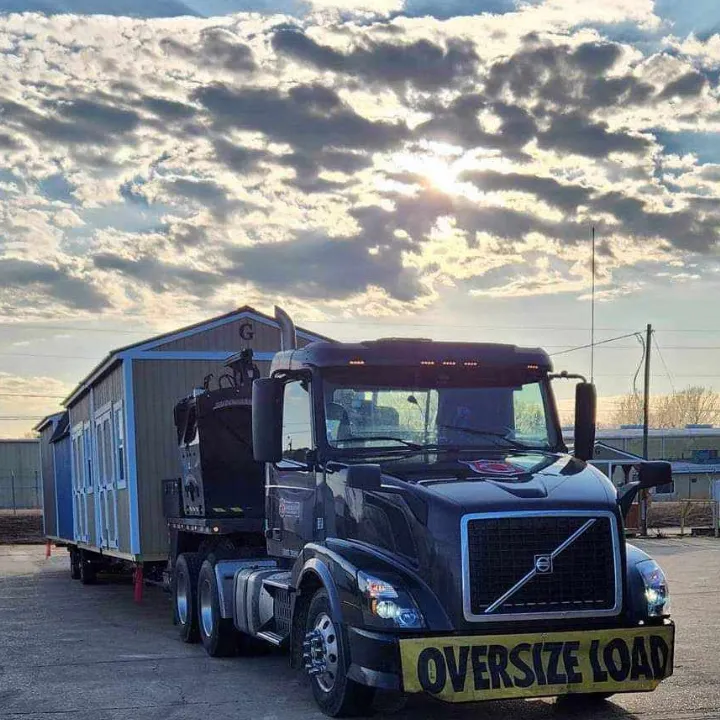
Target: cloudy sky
<point>424,167</point>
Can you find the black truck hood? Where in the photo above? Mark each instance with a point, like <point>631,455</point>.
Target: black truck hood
<point>515,482</point>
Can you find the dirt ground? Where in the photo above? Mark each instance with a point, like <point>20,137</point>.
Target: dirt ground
<point>21,527</point>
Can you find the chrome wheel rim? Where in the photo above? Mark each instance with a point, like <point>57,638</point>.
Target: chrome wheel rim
<point>206,609</point>
<point>326,679</point>
<point>182,600</point>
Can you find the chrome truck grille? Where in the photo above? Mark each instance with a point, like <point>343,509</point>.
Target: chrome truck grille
<point>526,566</point>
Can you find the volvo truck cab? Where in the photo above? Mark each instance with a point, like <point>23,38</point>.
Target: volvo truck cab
<point>426,530</point>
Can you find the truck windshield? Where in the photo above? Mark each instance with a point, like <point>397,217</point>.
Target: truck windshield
<point>380,415</point>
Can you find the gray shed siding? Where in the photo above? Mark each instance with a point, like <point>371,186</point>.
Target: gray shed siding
<point>123,519</point>
<point>266,338</point>
<point>157,387</point>
<point>20,473</point>
<point>109,389</point>
<point>80,410</point>
<point>47,465</point>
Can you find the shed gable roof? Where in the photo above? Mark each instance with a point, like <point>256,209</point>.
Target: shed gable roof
<point>153,343</point>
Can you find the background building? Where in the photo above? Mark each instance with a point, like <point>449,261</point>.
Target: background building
<point>693,452</point>
<point>20,486</point>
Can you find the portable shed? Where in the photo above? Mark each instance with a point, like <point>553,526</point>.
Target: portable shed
<point>122,438</point>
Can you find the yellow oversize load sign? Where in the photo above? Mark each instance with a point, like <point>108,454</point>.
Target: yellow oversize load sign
<point>464,669</point>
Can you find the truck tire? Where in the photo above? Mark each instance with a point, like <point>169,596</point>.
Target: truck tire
<point>335,693</point>
<point>75,563</point>
<point>184,585</point>
<point>217,633</point>
<point>88,569</point>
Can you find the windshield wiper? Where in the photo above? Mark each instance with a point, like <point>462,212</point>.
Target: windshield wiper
<point>488,433</point>
<point>378,438</point>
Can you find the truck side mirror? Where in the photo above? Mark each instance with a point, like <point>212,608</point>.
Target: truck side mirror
<point>364,477</point>
<point>267,421</point>
<point>654,474</point>
<point>585,414</point>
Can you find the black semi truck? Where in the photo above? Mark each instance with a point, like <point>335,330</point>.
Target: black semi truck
<point>404,515</point>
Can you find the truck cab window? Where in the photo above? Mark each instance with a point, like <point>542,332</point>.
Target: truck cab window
<point>297,421</point>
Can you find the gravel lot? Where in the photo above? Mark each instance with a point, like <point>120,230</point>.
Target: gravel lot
<point>68,651</point>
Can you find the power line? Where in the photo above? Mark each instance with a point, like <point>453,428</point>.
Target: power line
<point>642,360</point>
<point>32,395</point>
<point>601,342</point>
<point>662,360</point>
<point>43,355</point>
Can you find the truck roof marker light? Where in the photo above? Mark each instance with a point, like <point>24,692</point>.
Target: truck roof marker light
<point>449,362</point>
<point>356,362</point>
<point>471,363</point>
<point>533,367</point>
<point>427,362</point>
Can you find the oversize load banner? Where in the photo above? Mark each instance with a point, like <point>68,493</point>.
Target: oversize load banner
<point>464,669</point>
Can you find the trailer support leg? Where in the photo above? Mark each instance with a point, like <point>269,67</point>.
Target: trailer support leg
<point>48,549</point>
<point>138,583</point>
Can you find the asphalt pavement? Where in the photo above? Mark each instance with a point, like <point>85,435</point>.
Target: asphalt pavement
<point>91,653</point>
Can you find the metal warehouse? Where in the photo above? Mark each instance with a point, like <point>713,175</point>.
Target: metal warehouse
<point>19,474</point>
<point>120,437</point>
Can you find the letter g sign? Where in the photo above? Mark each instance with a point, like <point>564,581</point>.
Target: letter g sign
<point>246,331</point>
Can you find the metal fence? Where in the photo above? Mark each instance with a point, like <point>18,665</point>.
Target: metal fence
<point>20,491</point>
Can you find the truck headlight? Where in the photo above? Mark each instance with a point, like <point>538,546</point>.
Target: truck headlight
<point>388,605</point>
<point>657,594</point>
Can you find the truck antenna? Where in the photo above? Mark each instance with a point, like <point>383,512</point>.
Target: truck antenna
<point>592,312</point>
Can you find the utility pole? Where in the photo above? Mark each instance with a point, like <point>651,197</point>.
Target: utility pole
<point>646,426</point>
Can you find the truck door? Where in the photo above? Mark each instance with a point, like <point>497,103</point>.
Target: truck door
<point>290,504</point>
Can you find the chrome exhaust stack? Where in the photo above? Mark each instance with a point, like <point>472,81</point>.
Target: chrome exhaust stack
<point>288,335</point>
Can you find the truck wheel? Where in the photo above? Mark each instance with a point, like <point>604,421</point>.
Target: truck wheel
<point>216,632</point>
<point>185,582</point>
<point>324,656</point>
<point>74,563</point>
<point>88,569</point>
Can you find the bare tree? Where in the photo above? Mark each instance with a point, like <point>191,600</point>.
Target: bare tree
<point>629,411</point>
<point>692,406</point>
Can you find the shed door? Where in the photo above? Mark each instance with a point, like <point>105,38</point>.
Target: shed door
<point>79,494</point>
<point>106,498</point>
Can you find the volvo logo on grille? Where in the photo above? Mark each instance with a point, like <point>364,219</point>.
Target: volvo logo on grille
<point>543,564</point>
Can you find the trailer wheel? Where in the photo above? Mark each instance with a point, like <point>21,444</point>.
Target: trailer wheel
<point>75,563</point>
<point>88,569</point>
<point>185,582</point>
<point>216,632</point>
<point>325,660</point>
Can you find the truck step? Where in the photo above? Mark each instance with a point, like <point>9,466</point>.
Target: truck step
<point>271,637</point>
<point>279,581</point>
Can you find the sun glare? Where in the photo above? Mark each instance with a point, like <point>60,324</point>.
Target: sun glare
<point>440,169</point>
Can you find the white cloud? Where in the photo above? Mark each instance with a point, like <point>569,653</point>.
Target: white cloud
<point>171,177</point>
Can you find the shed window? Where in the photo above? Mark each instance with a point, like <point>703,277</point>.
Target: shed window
<point>119,446</point>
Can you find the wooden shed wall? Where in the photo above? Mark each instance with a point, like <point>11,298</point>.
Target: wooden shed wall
<point>157,387</point>
<point>80,410</point>
<point>266,338</point>
<point>109,389</point>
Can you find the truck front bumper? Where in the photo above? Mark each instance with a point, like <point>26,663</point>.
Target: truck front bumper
<point>489,667</point>
<point>374,659</point>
